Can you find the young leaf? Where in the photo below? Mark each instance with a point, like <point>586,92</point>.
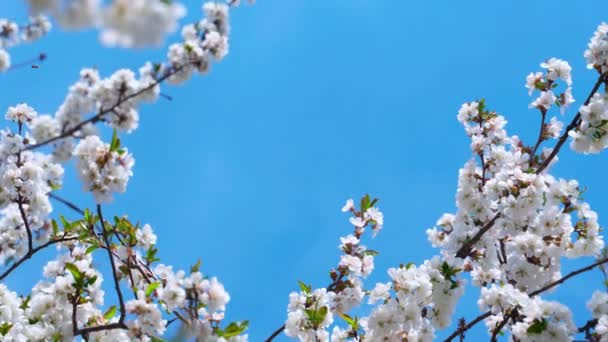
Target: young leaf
<point>305,288</point>
<point>74,270</point>
<point>111,312</point>
<point>153,286</point>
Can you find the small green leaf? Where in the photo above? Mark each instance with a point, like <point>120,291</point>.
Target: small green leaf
<point>409,265</point>
<point>235,329</point>
<point>115,143</point>
<point>5,328</point>
<point>305,288</point>
<point>152,287</point>
<point>537,326</point>
<point>371,252</point>
<point>196,267</point>
<point>74,270</point>
<point>110,313</point>
<point>55,227</point>
<point>346,318</point>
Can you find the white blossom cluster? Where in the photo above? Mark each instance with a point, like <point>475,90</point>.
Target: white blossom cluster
<point>423,300</point>
<point>25,180</point>
<point>598,305</point>
<point>556,69</point>
<point>590,134</point>
<point>12,34</point>
<point>539,320</point>
<point>311,312</point>
<point>597,50</point>
<point>122,23</point>
<point>102,169</point>
<point>125,23</point>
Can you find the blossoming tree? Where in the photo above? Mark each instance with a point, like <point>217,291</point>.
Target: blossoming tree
<point>514,224</point>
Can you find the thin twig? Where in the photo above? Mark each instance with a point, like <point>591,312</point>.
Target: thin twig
<point>123,312</point>
<point>34,251</point>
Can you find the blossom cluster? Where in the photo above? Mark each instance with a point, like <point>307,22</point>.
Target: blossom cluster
<point>26,177</point>
<point>12,34</point>
<point>125,23</point>
<point>122,23</point>
<point>311,312</point>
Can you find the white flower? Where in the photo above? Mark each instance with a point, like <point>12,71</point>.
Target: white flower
<point>21,113</point>
<point>544,101</point>
<point>350,205</point>
<point>557,68</point>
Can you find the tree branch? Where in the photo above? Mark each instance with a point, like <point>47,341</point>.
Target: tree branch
<point>34,251</point>
<point>465,250</point>
<point>103,112</point>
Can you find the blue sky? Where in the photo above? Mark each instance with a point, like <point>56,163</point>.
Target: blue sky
<point>318,101</point>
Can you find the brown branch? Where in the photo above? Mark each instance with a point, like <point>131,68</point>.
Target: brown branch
<point>472,323</point>
<point>123,312</point>
<point>66,202</point>
<point>466,247</point>
<point>275,333</point>
<point>573,124</point>
<point>34,251</point>
<point>540,139</point>
<point>30,239</point>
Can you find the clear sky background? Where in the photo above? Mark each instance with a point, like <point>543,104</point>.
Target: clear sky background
<point>318,101</point>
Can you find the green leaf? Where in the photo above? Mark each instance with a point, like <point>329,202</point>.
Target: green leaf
<point>537,326</point>
<point>64,222</point>
<point>346,318</point>
<point>74,270</point>
<point>235,329</point>
<point>196,267</point>
<point>26,302</point>
<point>152,287</point>
<point>115,143</point>
<point>91,249</point>
<point>321,313</point>
<point>5,328</point>
<point>111,312</point>
<point>409,265</point>
<point>371,252</point>
<point>365,202</point>
<point>55,227</point>
<point>305,288</point>
<point>87,215</point>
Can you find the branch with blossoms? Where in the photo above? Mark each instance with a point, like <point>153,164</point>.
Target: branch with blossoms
<point>515,222</point>
<point>30,176</point>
